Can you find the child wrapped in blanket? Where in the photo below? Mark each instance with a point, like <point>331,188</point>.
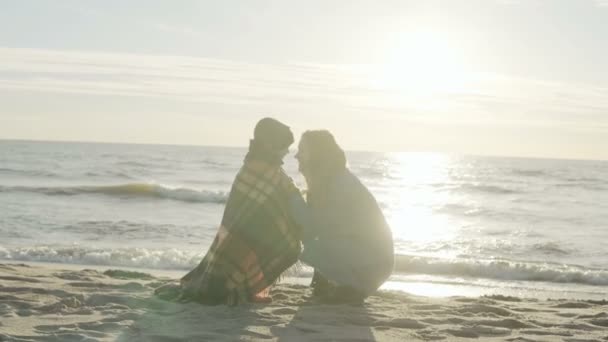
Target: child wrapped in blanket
<point>258,238</point>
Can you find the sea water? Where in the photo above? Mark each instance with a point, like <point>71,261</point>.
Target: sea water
<point>463,225</point>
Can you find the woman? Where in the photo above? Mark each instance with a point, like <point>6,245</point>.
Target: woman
<point>257,239</point>
<point>345,235</point>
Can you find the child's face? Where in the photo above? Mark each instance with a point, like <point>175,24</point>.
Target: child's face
<point>282,153</point>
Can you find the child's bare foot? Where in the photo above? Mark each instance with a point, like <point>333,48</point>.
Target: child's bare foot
<point>261,299</point>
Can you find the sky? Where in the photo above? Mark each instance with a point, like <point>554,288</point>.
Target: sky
<point>493,77</point>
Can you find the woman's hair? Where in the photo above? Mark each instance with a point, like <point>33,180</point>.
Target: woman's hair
<point>326,160</point>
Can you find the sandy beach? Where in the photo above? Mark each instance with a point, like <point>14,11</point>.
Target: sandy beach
<point>52,303</point>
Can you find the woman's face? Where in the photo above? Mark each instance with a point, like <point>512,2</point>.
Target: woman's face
<point>303,157</point>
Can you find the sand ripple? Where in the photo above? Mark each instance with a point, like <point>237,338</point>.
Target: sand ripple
<point>44,304</point>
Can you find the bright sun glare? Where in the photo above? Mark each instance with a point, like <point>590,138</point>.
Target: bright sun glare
<point>422,63</point>
<point>413,217</point>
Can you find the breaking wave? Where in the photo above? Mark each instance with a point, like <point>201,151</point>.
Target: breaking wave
<point>177,259</point>
<point>135,190</point>
<point>502,270</point>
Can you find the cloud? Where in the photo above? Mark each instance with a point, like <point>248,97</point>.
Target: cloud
<point>601,3</point>
<point>341,90</point>
<point>598,3</point>
<point>175,77</point>
<point>509,2</point>
<point>182,30</point>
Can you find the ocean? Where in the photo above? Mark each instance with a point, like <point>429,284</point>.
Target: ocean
<point>463,225</point>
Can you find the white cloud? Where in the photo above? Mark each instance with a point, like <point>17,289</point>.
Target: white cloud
<point>186,31</point>
<point>487,99</point>
<point>509,2</point>
<point>52,94</point>
<point>177,78</point>
<point>601,3</point>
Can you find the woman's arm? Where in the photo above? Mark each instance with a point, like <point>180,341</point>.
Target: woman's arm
<point>303,216</point>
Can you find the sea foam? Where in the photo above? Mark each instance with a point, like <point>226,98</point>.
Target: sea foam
<point>177,259</point>
<point>129,190</point>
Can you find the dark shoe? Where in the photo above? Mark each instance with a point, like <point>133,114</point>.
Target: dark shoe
<point>169,292</point>
<point>320,285</point>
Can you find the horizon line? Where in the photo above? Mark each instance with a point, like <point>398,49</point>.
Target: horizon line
<point>245,147</point>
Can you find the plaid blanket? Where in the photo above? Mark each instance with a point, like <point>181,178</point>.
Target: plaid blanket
<point>256,242</point>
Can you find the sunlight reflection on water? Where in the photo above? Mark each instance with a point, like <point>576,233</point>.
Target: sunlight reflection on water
<point>411,210</point>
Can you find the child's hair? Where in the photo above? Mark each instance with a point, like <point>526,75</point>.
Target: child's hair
<point>273,133</point>
<point>270,137</point>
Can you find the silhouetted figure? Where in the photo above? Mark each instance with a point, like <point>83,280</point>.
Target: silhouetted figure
<point>345,235</point>
<point>258,239</point>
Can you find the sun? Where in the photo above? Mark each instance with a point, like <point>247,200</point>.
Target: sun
<point>422,62</point>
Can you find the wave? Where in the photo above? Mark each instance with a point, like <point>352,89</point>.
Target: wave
<point>582,182</point>
<point>583,185</point>
<point>475,187</point>
<point>65,175</point>
<point>143,258</point>
<point>107,173</point>
<point>488,189</point>
<point>176,259</point>
<point>529,173</point>
<point>124,257</point>
<point>35,173</point>
<point>137,190</point>
<point>132,163</point>
<point>585,180</point>
<point>462,209</point>
<point>551,248</point>
<point>502,270</point>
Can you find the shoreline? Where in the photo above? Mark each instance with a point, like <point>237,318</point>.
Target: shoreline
<point>59,302</point>
<point>407,284</point>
